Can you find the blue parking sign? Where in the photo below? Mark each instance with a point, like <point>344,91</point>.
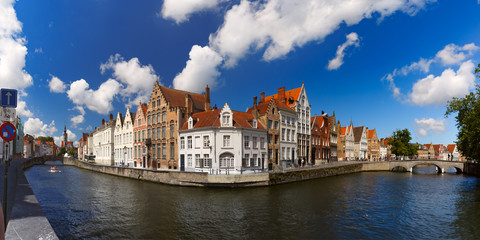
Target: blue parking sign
<point>8,97</point>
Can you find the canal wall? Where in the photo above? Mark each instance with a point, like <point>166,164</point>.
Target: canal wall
<point>26,219</point>
<point>199,179</point>
<point>471,169</point>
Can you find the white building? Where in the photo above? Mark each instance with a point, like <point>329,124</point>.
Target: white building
<point>123,139</point>
<point>453,154</point>
<point>361,142</point>
<point>288,143</point>
<point>348,149</point>
<point>103,139</point>
<point>383,152</point>
<point>222,141</point>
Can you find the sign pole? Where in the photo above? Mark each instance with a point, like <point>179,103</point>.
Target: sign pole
<point>5,185</point>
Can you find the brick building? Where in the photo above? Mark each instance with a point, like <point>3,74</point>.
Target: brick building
<point>320,134</point>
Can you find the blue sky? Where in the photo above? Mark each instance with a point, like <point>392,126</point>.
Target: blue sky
<point>389,64</point>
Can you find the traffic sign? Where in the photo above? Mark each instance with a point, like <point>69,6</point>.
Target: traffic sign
<point>8,131</point>
<point>8,97</point>
<point>7,114</point>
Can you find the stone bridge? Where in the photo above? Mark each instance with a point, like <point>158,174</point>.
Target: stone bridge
<point>441,165</point>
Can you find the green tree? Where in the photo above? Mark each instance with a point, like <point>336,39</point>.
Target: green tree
<point>400,144</point>
<point>45,139</point>
<point>62,151</point>
<point>72,152</point>
<point>468,121</point>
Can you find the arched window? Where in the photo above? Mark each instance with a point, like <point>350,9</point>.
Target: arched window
<point>227,160</point>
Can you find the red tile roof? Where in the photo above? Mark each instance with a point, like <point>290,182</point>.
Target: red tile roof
<point>451,147</point>
<point>176,98</point>
<point>212,119</point>
<point>319,120</point>
<point>344,130</point>
<point>370,133</point>
<point>294,93</point>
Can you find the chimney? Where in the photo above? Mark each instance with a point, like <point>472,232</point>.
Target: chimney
<point>215,107</point>
<point>281,94</point>
<point>188,104</point>
<point>207,99</point>
<point>255,102</point>
<point>262,97</point>
<point>111,117</point>
<point>103,121</point>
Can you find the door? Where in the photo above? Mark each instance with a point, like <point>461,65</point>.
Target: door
<point>182,163</point>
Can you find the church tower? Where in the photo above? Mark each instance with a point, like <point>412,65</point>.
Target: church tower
<point>65,137</point>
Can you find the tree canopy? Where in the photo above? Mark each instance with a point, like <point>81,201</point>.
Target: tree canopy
<point>468,121</point>
<point>400,143</point>
<point>45,139</point>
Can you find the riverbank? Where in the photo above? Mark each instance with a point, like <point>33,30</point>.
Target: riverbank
<point>198,179</point>
<point>26,219</point>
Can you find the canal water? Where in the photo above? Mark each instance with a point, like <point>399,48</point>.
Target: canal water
<point>81,204</point>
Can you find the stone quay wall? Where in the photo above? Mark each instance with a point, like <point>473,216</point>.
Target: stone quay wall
<point>472,169</point>
<point>199,179</point>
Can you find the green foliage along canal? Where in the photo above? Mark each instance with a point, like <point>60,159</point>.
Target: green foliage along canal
<point>86,205</point>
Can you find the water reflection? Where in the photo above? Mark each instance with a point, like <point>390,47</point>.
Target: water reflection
<point>85,205</point>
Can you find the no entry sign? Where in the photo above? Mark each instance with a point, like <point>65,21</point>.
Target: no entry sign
<point>8,131</point>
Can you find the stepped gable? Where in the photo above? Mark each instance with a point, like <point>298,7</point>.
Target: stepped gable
<point>176,98</point>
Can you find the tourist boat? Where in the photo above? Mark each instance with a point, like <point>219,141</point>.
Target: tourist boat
<point>54,169</point>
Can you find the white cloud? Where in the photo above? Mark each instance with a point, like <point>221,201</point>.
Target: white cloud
<point>453,54</point>
<point>38,50</point>
<point>77,120</point>
<point>138,79</point>
<point>201,70</point>
<point>36,127</point>
<point>56,85</point>
<point>440,89</point>
<point>335,63</point>
<point>22,109</point>
<point>428,125</point>
<point>71,136</point>
<point>180,10</point>
<point>99,100</point>
<point>12,49</point>
<point>279,26</point>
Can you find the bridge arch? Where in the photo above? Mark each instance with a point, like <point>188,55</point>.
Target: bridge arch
<point>441,165</point>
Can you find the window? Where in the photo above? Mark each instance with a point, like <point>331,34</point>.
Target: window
<point>255,160</point>
<point>276,125</point>
<point>276,139</point>
<point>226,141</point>
<point>164,116</point>
<point>182,143</point>
<point>153,134</point>
<point>143,135</point>
<point>283,119</point>
<point>283,134</point>
<point>269,138</point>
<point>189,160</point>
<point>158,118</point>
<point>254,142</point>
<point>207,162</point>
<point>262,142</point>
<point>293,135</point>
<point>164,132</point>
<point>226,119</point>
<point>254,123</point>
<point>246,141</point>
<point>149,133</point>
<point>153,152</point>
<point>139,122</point>
<point>197,160</point>
<point>206,142</point>
<point>172,129</point>
<point>189,142</point>
<point>269,124</point>
<point>172,150</point>
<point>247,160</point>
<point>164,150</point>
<point>288,134</point>
<point>283,153</point>
<point>158,150</point>
<point>198,143</point>
<point>135,152</point>
<point>149,121</point>
<point>158,133</point>
<point>226,160</point>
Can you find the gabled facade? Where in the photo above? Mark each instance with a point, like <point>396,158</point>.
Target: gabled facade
<point>297,100</point>
<point>18,141</point>
<point>361,143</point>
<point>83,147</point>
<point>140,158</point>
<point>373,151</point>
<point>103,142</point>
<point>453,154</point>
<point>320,135</point>
<point>346,148</point>
<point>123,143</point>
<point>439,152</point>
<point>386,150</point>
<point>222,141</point>
<point>28,146</point>
<point>422,152</point>
<point>167,111</point>
<point>334,129</point>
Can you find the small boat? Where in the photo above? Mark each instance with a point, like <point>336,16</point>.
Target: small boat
<point>54,169</point>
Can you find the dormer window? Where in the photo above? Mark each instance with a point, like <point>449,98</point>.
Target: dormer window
<point>190,123</point>
<point>254,123</point>
<point>226,119</point>
<point>226,116</point>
